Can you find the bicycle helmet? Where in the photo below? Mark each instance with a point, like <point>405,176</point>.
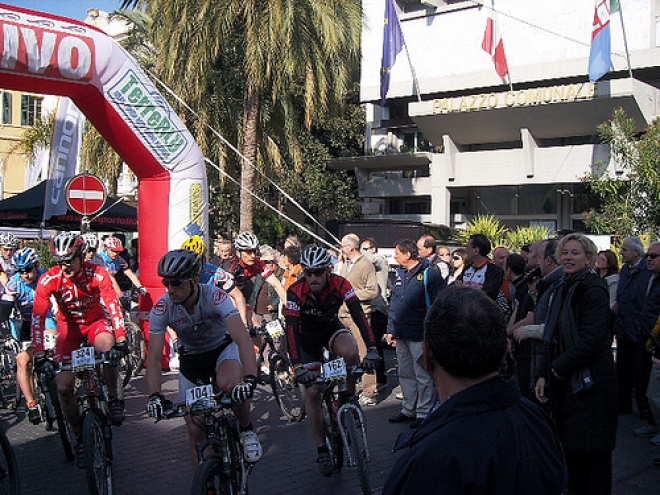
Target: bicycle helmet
<point>179,263</point>
<point>91,241</point>
<point>113,243</point>
<point>66,246</point>
<point>25,258</point>
<point>246,241</point>
<point>195,244</point>
<point>8,239</point>
<point>315,257</point>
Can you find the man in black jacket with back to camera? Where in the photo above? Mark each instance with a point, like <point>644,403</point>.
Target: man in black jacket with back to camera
<point>483,437</point>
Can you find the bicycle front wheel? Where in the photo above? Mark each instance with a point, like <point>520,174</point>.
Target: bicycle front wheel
<point>9,480</point>
<point>98,462</point>
<point>209,478</point>
<point>356,444</point>
<point>67,436</point>
<point>331,433</point>
<point>289,395</point>
<point>137,347</point>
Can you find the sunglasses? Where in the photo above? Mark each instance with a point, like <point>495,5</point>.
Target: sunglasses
<point>366,248</point>
<point>652,255</point>
<point>8,248</point>
<point>252,252</point>
<point>456,258</point>
<point>269,262</point>
<point>175,283</point>
<point>25,270</point>
<point>316,272</point>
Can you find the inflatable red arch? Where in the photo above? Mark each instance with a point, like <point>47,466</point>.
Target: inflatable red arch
<point>46,54</point>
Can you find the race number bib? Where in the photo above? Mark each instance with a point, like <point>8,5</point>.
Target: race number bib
<point>82,359</point>
<point>202,392</point>
<point>335,369</point>
<point>274,329</point>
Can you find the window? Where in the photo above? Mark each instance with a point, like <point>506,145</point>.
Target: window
<point>6,107</point>
<point>414,205</point>
<point>30,109</point>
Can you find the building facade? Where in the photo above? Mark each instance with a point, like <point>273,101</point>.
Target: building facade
<point>457,141</point>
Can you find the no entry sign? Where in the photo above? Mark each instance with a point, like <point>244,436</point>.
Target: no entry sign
<point>86,194</point>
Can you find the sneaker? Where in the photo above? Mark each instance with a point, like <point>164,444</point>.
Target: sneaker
<point>655,440</point>
<point>34,413</point>
<point>325,464</point>
<point>398,396</point>
<point>251,446</point>
<point>367,401</point>
<point>116,406</point>
<point>646,431</point>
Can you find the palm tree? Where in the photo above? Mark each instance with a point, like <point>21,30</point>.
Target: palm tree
<point>292,54</point>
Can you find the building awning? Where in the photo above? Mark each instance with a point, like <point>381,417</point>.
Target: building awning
<point>393,161</point>
<point>547,112</point>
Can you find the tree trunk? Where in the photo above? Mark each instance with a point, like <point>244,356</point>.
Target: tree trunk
<point>249,151</point>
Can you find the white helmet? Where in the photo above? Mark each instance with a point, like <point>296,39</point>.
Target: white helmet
<point>315,257</point>
<point>8,239</point>
<point>246,241</point>
<point>91,240</point>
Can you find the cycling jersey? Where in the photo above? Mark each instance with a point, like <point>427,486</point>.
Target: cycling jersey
<point>7,267</point>
<point>223,280</point>
<point>119,264</point>
<point>244,275</point>
<point>200,332</point>
<point>78,299</point>
<point>311,318</point>
<point>23,295</point>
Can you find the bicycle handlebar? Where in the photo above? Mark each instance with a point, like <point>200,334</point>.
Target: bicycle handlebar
<point>220,400</point>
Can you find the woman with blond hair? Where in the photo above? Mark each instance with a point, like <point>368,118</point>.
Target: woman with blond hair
<point>578,367</point>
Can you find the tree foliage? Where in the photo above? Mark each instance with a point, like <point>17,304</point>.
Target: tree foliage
<point>630,203</point>
<point>487,225</point>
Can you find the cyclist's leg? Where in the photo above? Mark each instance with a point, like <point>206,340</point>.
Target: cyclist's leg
<point>228,373</point>
<point>101,336</point>
<point>24,375</point>
<point>196,432</point>
<point>343,344</point>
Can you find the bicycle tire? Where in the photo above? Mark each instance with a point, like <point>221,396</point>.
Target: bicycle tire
<point>331,433</point>
<point>47,411</point>
<point>355,442</point>
<point>289,395</point>
<point>9,476</point>
<point>137,347</point>
<point>67,436</point>
<point>8,385</point>
<point>98,465</point>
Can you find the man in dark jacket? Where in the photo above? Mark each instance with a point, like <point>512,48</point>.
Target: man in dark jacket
<point>633,364</point>
<point>415,288</point>
<point>483,438</point>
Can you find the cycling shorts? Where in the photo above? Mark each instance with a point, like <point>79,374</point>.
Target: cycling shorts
<point>201,369</point>
<point>311,348</point>
<point>72,334</point>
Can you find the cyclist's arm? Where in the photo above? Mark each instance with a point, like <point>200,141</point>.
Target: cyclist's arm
<point>133,278</point>
<point>293,322</point>
<point>154,374</point>
<point>241,336</point>
<point>39,315</point>
<point>111,301</point>
<point>239,301</point>
<point>116,285</point>
<point>3,277</point>
<point>275,283</point>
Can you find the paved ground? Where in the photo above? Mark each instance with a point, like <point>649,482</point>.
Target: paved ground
<point>152,459</point>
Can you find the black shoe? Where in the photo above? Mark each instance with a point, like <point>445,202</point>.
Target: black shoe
<point>415,424</point>
<point>34,414</point>
<point>401,418</point>
<point>325,464</point>
<point>116,407</point>
<point>80,455</point>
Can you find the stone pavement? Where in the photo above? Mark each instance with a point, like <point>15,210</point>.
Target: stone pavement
<point>152,458</point>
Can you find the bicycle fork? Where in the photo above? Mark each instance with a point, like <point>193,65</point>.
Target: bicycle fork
<point>360,425</point>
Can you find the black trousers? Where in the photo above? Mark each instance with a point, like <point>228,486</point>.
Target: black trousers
<point>379,327</point>
<point>633,368</point>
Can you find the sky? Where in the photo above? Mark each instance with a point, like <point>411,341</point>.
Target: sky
<point>74,9</point>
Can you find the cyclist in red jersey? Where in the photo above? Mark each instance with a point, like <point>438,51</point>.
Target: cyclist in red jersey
<point>88,308</point>
<point>312,323</point>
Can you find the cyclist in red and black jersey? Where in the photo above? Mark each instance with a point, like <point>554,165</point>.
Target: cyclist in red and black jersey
<point>312,323</point>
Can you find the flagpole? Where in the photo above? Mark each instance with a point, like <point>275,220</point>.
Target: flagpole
<point>412,71</point>
<point>625,40</point>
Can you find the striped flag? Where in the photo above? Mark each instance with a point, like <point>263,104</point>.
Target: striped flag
<point>494,45</point>
<point>392,44</point>
<point>600,59</point>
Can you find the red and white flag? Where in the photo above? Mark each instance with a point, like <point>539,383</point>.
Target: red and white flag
<point>494,45</point>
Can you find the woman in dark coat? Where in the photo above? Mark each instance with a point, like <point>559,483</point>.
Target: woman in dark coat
<point>577,369</point>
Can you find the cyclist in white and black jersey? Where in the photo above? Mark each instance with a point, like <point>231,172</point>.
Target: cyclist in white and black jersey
<point>8,246</point>
<point>215,346</point>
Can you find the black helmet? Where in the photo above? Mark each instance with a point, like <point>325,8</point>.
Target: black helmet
<point>179,263</point>
<point>66,246</point>
<point>315,257</point>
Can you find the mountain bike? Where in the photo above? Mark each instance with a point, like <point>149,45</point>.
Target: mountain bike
<point>133,363</point>
<point>222,467</point>
<point>92,396</point>
<point>289,394</point>
<point>9,478</point>
<point>344,423</point>
<point>10,392</point>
